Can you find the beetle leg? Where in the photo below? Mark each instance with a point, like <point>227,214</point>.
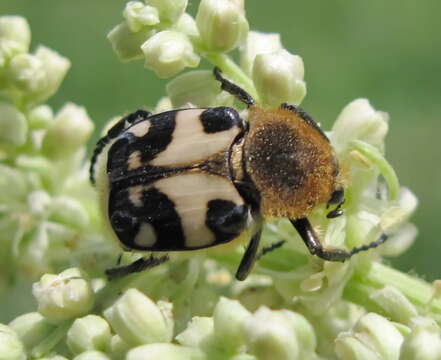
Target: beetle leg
<point>312,241</point>
<point>135,267</point>
<point>267,249</point>
<point>233,89</point>
<point>250,256</point>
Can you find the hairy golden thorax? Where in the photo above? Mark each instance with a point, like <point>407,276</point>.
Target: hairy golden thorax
<point>291,163</point>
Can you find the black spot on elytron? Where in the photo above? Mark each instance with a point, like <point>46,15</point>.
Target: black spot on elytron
<point>122,221</point>
<point>157,210</point>
<point>156,140</point>
<point>226,219</point>
<point>220,119</point>
<point>113,132</point>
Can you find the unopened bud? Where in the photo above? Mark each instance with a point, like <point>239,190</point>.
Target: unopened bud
<point>169,52</point>
<point>278,77</point>
<point>222,25</point>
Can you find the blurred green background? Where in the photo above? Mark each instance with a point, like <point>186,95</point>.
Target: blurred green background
<point>386,51</point>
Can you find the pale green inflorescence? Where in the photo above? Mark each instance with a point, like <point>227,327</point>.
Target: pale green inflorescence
<point>293,306</point>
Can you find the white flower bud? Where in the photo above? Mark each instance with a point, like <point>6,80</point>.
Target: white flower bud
<point>15,37</point>
<point>222,25</point>
<point>13,125</point>
<point>372,334</point>
<point>55,68</point>
<point>244,357</point>
<point>304,333</point>
<point>400,240</point>
<point>38,76</point>
<point>169,52</point>
<point>118,347</point>
<point>10,346</point>
<point>31,328</point>
<point>88,333</point>
<point>164,351</point>
<point>69,211</point>
<point>169,10</point>
<point>350,348</point>
<point>54,357</point>
<point>15,28</point>
<point>258,43</point>
<point>187,25</point>
<point>138,320</point>
<point>229,321</point>
<point>12,185</point>
<point>72,127</point>
<point>164,104</point>
<point>92,355</point>
<point>424,342</point>
<point>63,296</point>
<point>27,73</point>
<point>40,117</point>
<point>127,44</point>
<point>139,15</point>
<point>394,303</point>
<point>359,121</point>
<point>195,87</point>
<point>270,335</point>
<point>278,77</point>
<point>198,330</point>
<point>39,202</point>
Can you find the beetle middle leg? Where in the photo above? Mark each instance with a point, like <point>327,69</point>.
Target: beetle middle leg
<point>312,241</point>
<point>233,89</point>
<point>250,256</point>
<point>135,267</point>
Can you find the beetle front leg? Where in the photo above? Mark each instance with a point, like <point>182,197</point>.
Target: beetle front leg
<point>312,241</point>
<point>233,89</point>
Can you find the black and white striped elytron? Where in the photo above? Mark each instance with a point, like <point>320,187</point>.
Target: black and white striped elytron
<point>190,179</point>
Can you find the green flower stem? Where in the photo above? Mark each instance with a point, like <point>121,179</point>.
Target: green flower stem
<point>232,70</point>
<point>374,155</point>
<point>376,276</point>
<point>52,340</point>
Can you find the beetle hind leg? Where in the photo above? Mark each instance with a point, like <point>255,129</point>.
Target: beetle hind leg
<point>137,266</point>
<point>233,89</point>
<point>250,256</point>
<point>312,241</point>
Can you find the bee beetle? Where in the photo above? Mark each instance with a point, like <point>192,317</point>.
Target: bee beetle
<point>190,179</point>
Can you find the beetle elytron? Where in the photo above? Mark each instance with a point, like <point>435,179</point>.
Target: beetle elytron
<point>190,179</point>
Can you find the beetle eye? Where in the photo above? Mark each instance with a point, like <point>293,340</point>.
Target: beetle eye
<point>337,197</point>
<point>122,221</point>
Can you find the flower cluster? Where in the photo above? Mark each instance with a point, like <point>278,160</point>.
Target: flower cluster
<point>47,215</point>
<point>191,307</point>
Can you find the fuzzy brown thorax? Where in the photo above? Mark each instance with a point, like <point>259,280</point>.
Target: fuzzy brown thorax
<point>291,163</point>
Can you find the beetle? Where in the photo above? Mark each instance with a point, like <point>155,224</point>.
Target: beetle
<point>191,179</point>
